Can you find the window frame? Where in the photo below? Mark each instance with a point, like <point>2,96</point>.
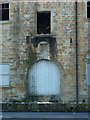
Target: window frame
<point>49,19</point>
<point>6,10</point>
<point>88,6</point>
<point>5,74</point>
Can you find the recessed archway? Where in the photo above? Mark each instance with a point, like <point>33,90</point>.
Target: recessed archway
<point>44,78</point>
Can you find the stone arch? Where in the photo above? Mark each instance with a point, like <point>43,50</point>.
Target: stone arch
<point>85,54</point>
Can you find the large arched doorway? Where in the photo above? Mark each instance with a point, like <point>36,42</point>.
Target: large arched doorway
<point>44,78</point>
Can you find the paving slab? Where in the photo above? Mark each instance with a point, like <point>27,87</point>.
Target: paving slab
<point>44,115</point>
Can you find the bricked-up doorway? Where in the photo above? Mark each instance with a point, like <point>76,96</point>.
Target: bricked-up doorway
<point>44,78</point>
<point>43,22</point>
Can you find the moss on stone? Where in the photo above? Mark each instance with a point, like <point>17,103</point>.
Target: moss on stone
<point>55,107</point>
<point>31,57</point>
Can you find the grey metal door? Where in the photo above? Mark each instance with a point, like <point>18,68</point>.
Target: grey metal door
<point>44,78</point>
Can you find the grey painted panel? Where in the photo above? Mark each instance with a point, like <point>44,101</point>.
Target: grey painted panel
<point>4,69</point>
<point>4,74</point>
<point>44,78</point>
<point>88,74</point>
<point>4,80</point>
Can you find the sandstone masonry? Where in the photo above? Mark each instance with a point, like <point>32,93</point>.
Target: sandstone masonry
<point>22,23</point>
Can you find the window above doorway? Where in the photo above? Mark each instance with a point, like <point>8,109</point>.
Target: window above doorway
<point>4,12</point>
<point>43,22</point>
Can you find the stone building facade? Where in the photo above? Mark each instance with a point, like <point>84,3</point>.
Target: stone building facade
<point>22,48</point>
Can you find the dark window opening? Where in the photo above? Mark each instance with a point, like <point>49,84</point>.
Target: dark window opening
<point>88,9</point>
<point>43,22</point>
<point>4,11</point>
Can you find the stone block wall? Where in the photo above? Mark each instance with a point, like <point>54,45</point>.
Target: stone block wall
<point>22,23</point>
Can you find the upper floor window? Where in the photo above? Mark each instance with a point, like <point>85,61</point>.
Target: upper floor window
<point>4,11</point>
<point>88,9</point>
<point>43,22</point>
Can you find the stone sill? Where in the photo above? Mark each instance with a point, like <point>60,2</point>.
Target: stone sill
<point>5,22</point>
<point>44,35</point>
<point>7,86</point>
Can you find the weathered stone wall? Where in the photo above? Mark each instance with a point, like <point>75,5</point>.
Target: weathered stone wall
<point>83,50</point>
<point>23,23</point>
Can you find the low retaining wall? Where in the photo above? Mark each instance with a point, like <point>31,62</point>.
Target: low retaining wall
<point>35,107</point>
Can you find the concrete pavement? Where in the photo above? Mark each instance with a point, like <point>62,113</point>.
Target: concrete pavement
<point>44,116</point>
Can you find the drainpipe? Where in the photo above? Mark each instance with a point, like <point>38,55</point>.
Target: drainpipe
<point>76,12</point>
